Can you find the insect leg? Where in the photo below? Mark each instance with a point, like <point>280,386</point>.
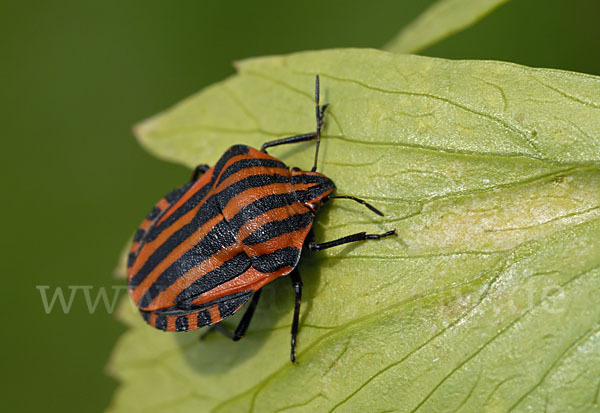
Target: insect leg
<point>217,327</point>
<point>198,171</point>
<point>292,139</point>
<point>361,236</point>
<point>297,283</point>
<point>243,325</point>
<point>240,331</point>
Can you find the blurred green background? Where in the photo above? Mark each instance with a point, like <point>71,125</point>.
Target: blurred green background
<point>76,75</point>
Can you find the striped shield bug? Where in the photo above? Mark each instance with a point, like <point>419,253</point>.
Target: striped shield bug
<point>209,246</point>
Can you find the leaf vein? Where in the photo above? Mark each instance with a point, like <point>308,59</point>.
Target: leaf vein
<point>523,133</point>
<point>570,347</point>
<point>506,328</point>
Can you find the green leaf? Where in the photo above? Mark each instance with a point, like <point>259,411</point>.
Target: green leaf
<point>488,299</point>
<point>442,19</point>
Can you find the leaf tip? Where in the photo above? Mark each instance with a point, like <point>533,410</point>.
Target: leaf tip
<point>141,129</point>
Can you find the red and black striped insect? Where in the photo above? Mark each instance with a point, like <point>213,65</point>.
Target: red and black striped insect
<point>210,245</point>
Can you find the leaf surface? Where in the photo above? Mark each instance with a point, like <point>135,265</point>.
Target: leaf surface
<point>488,299</point>
<point>440,20</point>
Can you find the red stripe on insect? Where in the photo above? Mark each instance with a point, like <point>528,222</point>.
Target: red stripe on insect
<point>204,180</point>
<point>181,249</point>
<point>248,230</point>
<point>167,297</point>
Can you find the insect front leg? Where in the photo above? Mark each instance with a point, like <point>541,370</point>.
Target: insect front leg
<point>360,236</point>
<point>292,139</point>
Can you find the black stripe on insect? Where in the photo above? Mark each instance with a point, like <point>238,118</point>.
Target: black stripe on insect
<point>324,185</point>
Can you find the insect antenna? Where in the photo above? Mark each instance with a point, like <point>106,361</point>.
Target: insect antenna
<point>319,110</point>
<point>360,201</point>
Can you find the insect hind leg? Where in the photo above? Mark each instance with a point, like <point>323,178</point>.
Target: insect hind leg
<point>297,284</point>
<point>243,325</point>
